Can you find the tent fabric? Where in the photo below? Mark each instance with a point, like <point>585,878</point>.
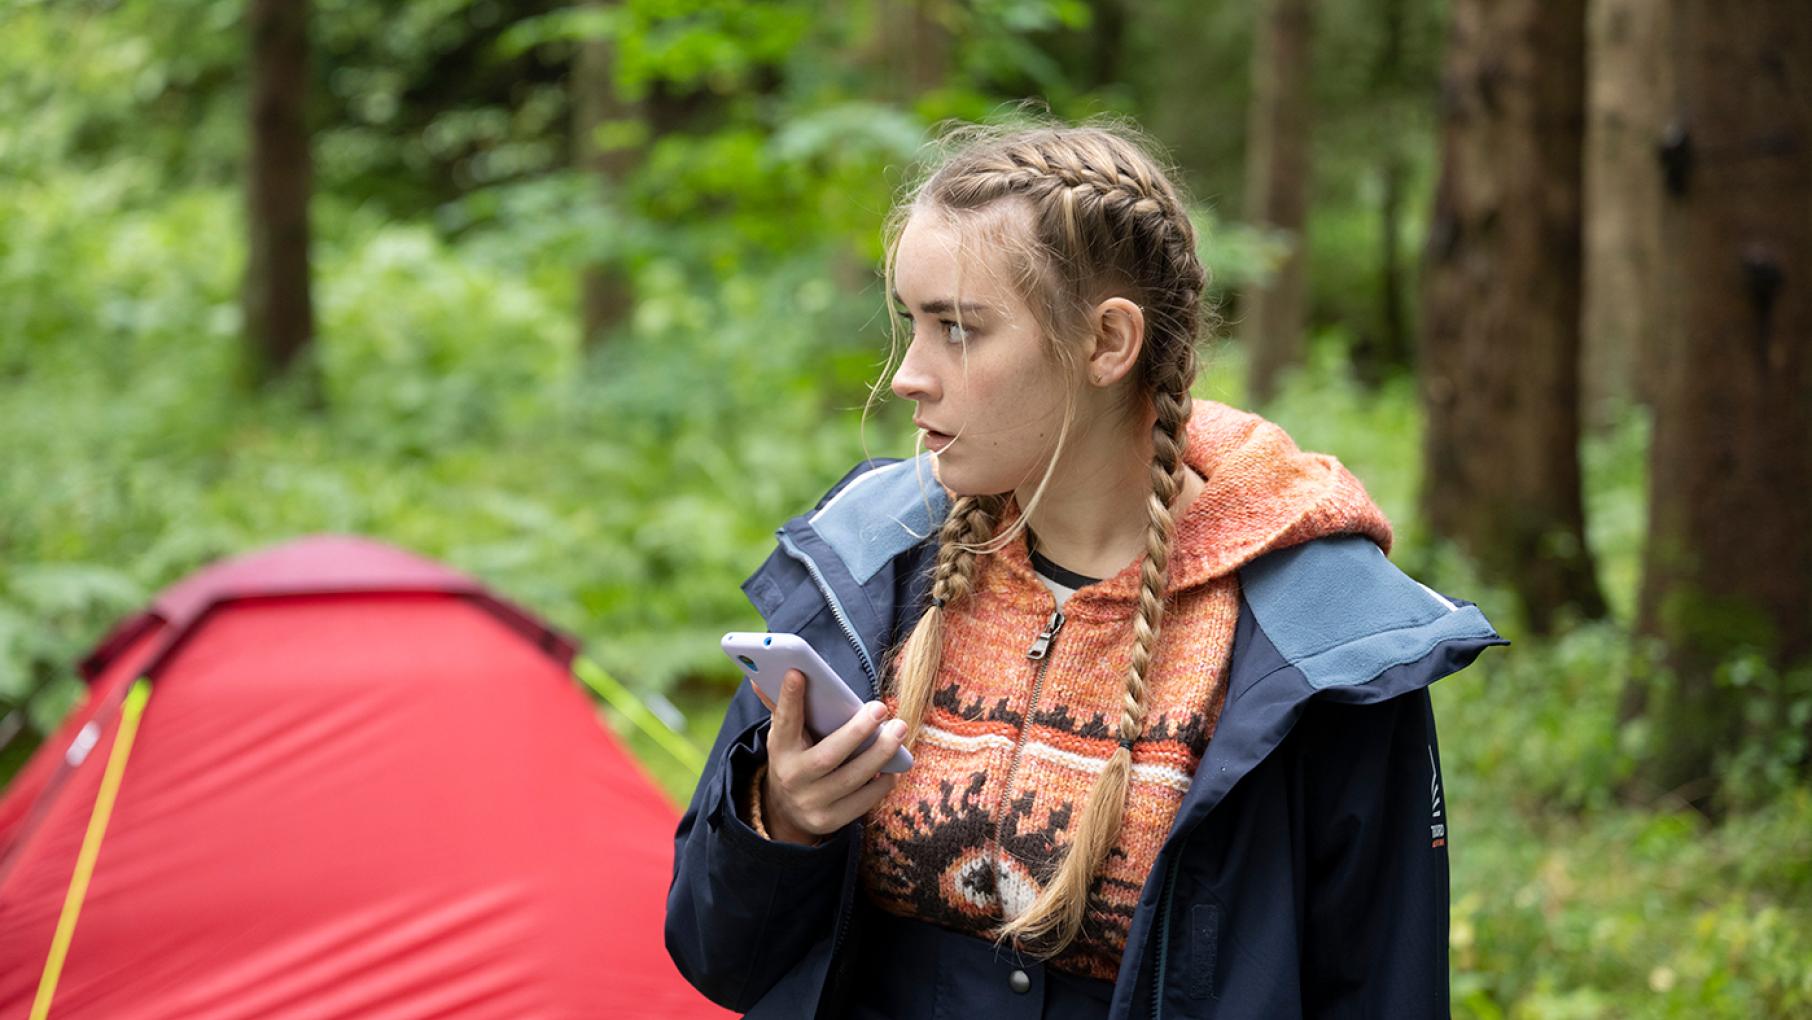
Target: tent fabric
<point>348,802</point>
<point>318,566</point>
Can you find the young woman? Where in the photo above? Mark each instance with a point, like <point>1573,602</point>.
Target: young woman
<point>1174,753</point>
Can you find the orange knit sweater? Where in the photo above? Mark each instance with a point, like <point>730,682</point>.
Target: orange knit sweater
<point>1012,745</point>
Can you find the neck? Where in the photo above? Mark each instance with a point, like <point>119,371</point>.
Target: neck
<point>1092,517</point>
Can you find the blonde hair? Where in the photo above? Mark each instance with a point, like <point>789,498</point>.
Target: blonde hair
<point>1106,220</point>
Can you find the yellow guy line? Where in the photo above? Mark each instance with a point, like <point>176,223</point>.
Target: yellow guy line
<point>91,845</point>
<point>625,701</point>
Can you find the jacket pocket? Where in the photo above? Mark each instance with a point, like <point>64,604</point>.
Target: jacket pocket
<point>1204,948</point>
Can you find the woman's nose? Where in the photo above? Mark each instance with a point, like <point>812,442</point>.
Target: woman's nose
<point>911,381</point>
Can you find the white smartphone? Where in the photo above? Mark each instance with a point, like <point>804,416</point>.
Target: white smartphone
<point>829,702</point>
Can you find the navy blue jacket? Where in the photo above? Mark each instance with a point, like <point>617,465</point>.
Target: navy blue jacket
<point>1305,874</point>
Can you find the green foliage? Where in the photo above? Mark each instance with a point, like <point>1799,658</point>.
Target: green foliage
<point>1768,762</point>
<point>151,82</point>
<point>1630,913</point>
<point>1614,462</point>
<point>424,347</point>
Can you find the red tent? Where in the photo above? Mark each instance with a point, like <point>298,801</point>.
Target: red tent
<point>360,786</point>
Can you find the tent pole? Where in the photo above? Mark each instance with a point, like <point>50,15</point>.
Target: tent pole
<point>91,845</point>
<point>624,700</point>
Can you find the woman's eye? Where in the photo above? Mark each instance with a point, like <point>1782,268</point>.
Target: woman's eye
<point>954,332</point>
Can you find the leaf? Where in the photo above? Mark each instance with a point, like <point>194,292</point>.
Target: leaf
<point>69,588</point>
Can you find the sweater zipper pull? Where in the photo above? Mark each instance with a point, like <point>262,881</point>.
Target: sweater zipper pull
<point>1041,645</point>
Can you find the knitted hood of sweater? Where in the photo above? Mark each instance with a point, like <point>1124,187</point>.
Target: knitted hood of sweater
<point>1012,744</point>
<point>1263,493</point>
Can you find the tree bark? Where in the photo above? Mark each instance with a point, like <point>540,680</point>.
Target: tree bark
<point>1728,566</point>
<point>606,294</point>
<point>906,50</point>
<point>910,49</point>
<point>1383,350</point>
<point>1109,38</point>
<point>1500,304</point>
<point>279,312</point>
<point>1626,113</point>
<point>1391,353</point>
<point>1277,191</point>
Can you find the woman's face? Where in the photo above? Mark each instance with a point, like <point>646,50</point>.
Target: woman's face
<point>988,393</point>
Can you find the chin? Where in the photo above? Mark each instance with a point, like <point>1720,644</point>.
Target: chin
<point>950,479</point>
<point>963,480</point>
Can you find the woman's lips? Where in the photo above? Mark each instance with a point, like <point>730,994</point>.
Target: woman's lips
<point>936,440</point>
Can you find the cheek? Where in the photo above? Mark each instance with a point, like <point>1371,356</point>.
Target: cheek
<point>1016,427</point>
<point>1029,404</point>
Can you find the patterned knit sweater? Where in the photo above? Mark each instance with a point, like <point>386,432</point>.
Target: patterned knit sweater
<point>1011,744</point>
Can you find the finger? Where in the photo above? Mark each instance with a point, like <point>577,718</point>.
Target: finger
<point>834,749</point>
<point>865,798</point>
<point>851,775</point>
<point>763,695</point>
<point>788,731</point>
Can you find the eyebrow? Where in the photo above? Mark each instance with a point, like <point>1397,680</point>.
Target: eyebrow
<point>943,305</point>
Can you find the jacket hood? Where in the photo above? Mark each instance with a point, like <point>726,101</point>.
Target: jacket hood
<point>1263,494</point>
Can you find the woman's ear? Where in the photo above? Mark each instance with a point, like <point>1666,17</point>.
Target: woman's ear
<point>1119,337</point>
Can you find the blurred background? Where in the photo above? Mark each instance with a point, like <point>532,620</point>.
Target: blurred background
<point>582,298</point>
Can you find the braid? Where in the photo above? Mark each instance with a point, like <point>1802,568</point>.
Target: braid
<point>969,524</point>
<point>1055,917</point>
<point>1166,483</point>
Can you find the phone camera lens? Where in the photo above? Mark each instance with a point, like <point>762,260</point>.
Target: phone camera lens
<point>745,660</point>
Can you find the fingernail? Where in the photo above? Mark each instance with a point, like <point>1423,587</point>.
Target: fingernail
<point>793,682</point>
<point>877,709</point>
<point>895,729</point>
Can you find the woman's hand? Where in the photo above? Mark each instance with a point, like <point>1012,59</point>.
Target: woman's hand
<point>810,790</point>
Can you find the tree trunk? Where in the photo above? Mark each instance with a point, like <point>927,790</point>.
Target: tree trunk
<point>1500,303</point>
<point>1382,348</point>
<point>1109,38</point>
<point>906,50</point>
<point>606,295</point>
<point>1391,354</point>
<point>1277,191</point>
<point>910,49</point>
<point>279,314</point>
<point>1626,103</point>
<point>1729,560</point>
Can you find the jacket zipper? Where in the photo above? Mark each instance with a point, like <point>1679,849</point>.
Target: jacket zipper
<point>1170,884</point>
<point>1040,653</point>
<point>836,608</point>
<point>845,917</point>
